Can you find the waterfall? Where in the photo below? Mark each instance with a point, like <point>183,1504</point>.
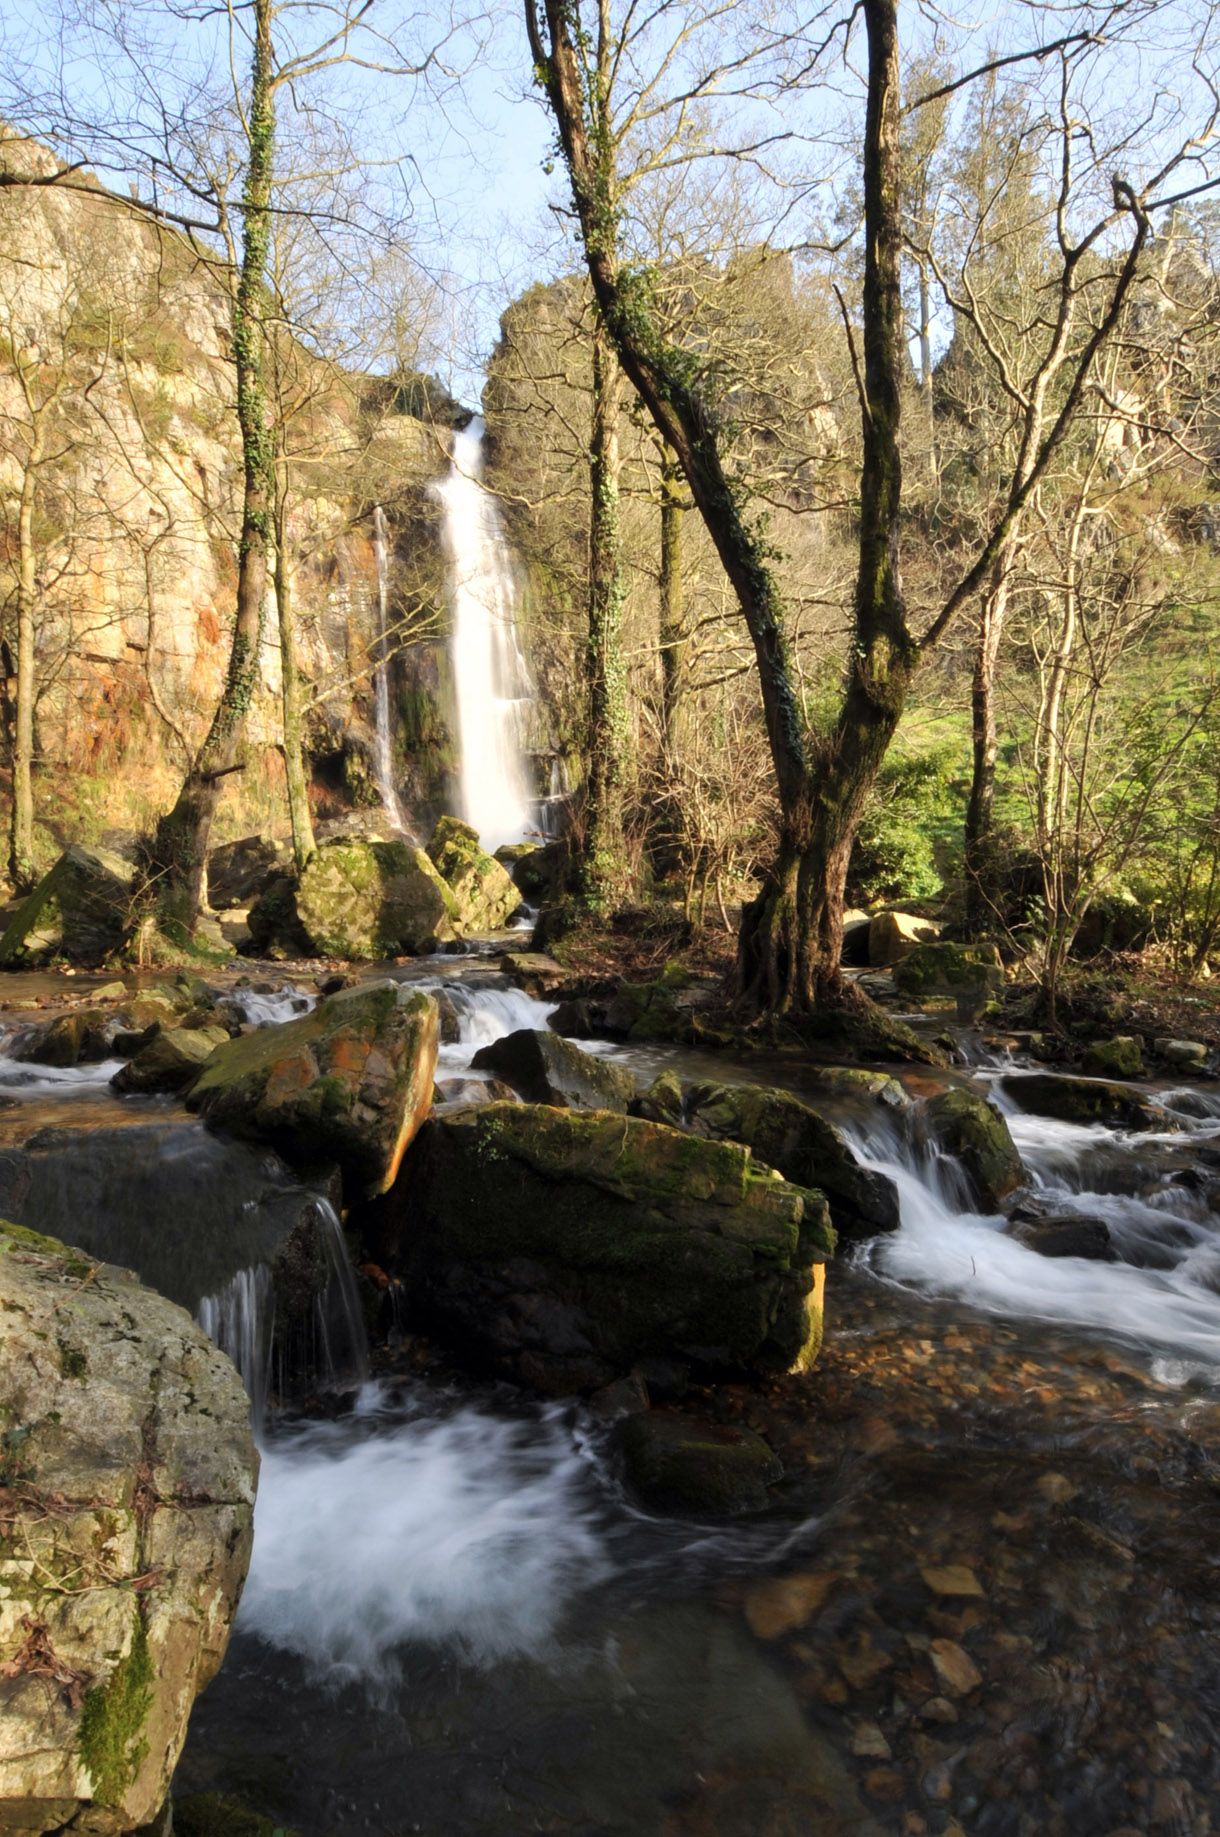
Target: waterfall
<point>492,679</point>
<point>383,739</point>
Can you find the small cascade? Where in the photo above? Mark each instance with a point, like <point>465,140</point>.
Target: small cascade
<point>282,1344</point>
<point>494,691</point>
<point>383,735</point>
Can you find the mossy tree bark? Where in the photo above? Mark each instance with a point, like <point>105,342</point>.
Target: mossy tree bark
<point>180,847</point>
<point>791,937</point>
<point>980,852</point>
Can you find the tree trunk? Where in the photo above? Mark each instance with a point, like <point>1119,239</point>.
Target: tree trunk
<point>303,843</point>
<point>180,847</point>
<point>602,869</point>
<point>21,830</point>
<point>980,854</point>
<point>673,611</point>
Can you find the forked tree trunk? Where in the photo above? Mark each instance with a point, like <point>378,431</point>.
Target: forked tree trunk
<point>180,847</point>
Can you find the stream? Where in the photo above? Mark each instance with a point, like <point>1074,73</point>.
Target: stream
<point>456,1622</point>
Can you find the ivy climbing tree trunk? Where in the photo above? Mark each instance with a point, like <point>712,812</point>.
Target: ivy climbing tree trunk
<point>180,847</point>
<point>602,866</point>
<point>303,843</point>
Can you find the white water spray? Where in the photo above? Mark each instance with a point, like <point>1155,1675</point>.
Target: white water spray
<point>383,738</point>
<point>492,679</point>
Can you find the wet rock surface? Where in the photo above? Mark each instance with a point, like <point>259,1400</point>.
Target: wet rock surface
<point>961,1123</point>
<point>1084,1100</point>
<point>486,893</point>
<point>126,1492</point>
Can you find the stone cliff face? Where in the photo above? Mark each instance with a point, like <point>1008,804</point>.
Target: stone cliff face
<point>116,397</point>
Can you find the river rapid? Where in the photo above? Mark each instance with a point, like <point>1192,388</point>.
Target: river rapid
<point>984,1600</point>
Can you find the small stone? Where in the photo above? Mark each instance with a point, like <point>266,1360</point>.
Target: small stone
<point>954,1667</point>
<point>886,1784</point>
<point>863,1664</point>
<point>788,1602</point>
<point>1056,1488</point>
<point>869,1743</point>
<point>938,1784</point>
<point>952,1579</point>
<point>938,1709</point>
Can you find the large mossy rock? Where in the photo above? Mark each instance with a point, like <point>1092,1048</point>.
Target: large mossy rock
<point>1121,1057</point>
<point>127,1477</point>
<point>963,1124</point>
<point>545,1068</point>
<point>486,894</point>
<point>349,1083</point>
<point>81,911</point>
<point>894,935</point>
<point>787,1135</point>
<point>367,900</point>
<point>567,1247</point>
<point>1084,1100</point>
<point>968,976</point>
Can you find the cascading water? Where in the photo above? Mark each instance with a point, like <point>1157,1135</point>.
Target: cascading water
<point>383,736</point>
<point>494,692</point>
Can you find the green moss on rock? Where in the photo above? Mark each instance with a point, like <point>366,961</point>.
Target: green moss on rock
<point>113,1741</point>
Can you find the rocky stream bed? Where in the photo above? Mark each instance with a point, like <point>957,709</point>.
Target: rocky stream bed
<point>980,1598</point>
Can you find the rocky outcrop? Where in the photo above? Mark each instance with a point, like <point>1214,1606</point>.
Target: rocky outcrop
<point>126,1505</point>
<point>961,1123</point>
<point>967,976</point>
<point>533,971</point>
<point>787,1135</point>
<point>349,1083</point>
<point>485,892</point>
<point>358,899</point>
<point>545,1068</point>
<point>81,911</point>
<point>566,1248</point>
<point>1084,1100</point>
<point>239,872</point>
<point>894,935</point>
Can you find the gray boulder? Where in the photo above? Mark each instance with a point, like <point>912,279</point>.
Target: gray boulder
<point>81,910</point>
<point>129,1473</point>
<point>545,1068</point>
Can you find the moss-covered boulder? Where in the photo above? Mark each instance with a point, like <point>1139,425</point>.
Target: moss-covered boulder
<point>564,1247</point>
<point>786,1134</point>
<point>533,971</point>
<point>80,1038</point>
<point>171,1060</point>
<point>349,1083</point>
<point>967,976</point>
<point>127,1479</point>
<point>368,900</point>
<point>81,911</point>
<point>485,891</point>
<point>545,1068</point>
<point>537,868</point>
<point>1121,1057</point>
<point>675,1463</point>
<point>961,1123</point>
<point>1084,1100</point>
